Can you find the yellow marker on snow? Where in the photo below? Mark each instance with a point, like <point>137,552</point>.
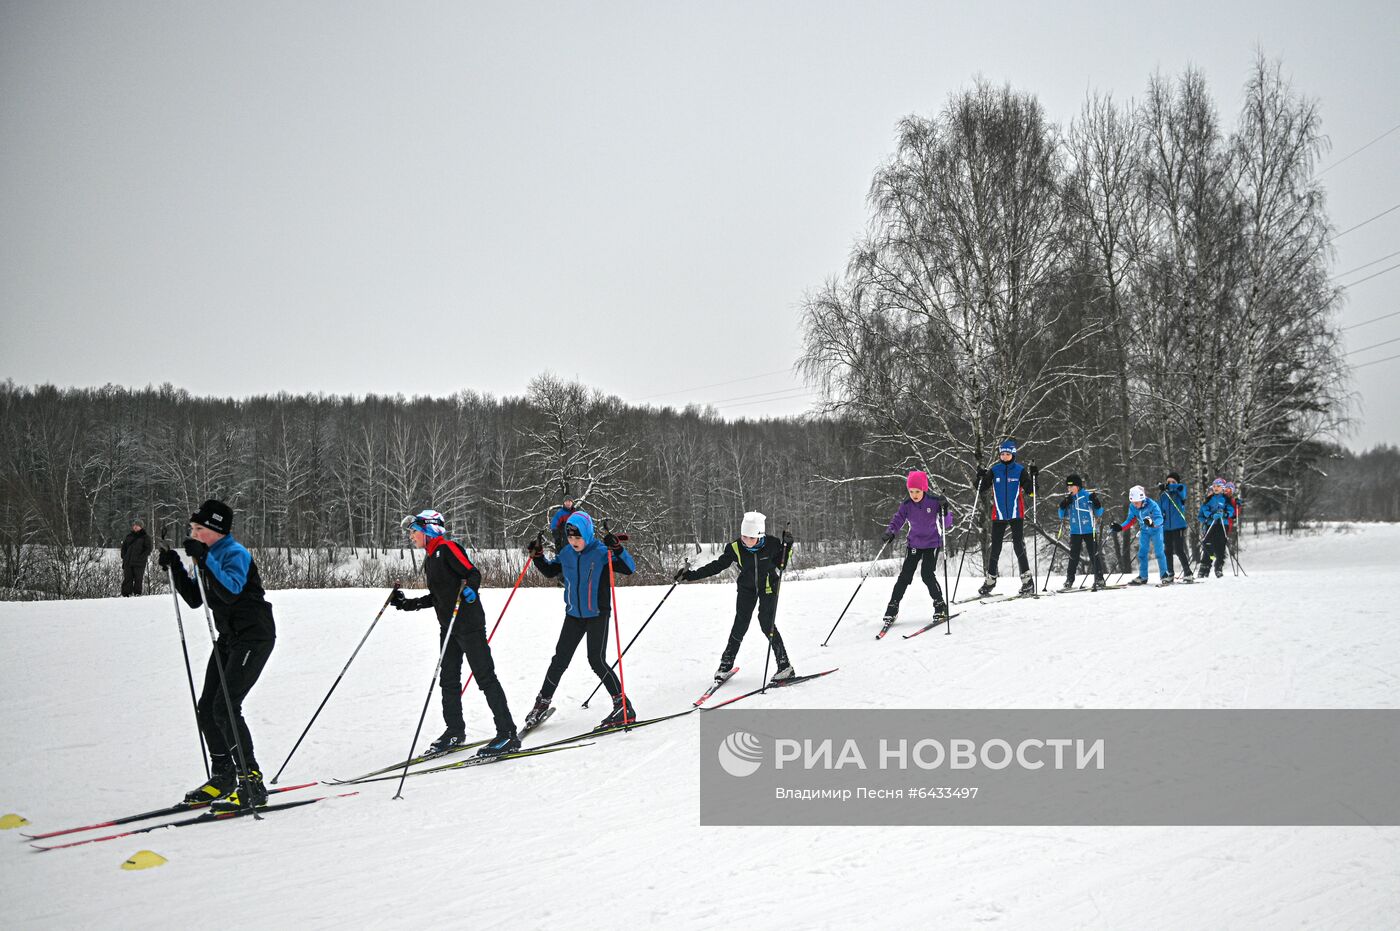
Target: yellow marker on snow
<point>12,821</point>
<point>143,860</point>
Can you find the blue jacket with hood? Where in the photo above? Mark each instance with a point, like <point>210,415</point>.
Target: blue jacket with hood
<point>587,589</point>
<point>1083,510</point>
<point>1173,505</point>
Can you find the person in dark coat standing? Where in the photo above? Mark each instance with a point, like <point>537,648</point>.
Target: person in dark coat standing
<point>136,549</point>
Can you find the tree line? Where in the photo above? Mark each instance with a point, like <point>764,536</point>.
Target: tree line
<point>1144,288</point>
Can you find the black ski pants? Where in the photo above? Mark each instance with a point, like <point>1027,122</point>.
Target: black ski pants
<point>1018,542</point>
<point>1176,547</point>
<point>469,640</point>
<point>929,574</point>
<point>575,629</point>
<point>767,604</point>
<point>1078,541</point>
<point>243,663</point>
<point>133,577</point>
<point>1213,546</point>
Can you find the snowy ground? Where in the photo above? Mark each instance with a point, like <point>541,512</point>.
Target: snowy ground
<point>96,722</point>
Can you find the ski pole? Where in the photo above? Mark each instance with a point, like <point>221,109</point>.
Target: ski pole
<point>307,730</point>
<point>773,628</point>
<point>518,579</point>
<point>971,520</point>
<point>637,634</point>
<point>189,676</point>
<point>442,653</point>
<point>870,568</point>
<point>1035,524</point>
<point>1053,553</point>
<point>617,637</point>
<point>237,738</point>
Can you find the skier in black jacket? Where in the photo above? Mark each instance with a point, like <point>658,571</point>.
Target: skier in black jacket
<point>761,560</point>
<point>452,577</point>
<point>247,634</point>
<point>136,549</point>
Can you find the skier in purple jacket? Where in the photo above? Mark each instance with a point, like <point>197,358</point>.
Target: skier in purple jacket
<point>928,516</point>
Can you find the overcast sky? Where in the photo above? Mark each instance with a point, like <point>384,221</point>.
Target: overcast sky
<point>412,197</point>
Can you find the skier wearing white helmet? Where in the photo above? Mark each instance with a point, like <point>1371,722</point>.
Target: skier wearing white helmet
<point>1145,512</point>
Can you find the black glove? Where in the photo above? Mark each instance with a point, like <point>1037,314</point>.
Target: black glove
<point>1067,502</point>
<point>888,535</point>
<point>1116,527</point>
<point>1149,522</point>
<point>397,599</point>
<point>982,473</point>
<point>1161,486</point>
<point>682,574</point>
<point>611,542</point>
<point>168,558</point>
<point>534,548</point>
<point>787,538</point>
<point>196,550</point>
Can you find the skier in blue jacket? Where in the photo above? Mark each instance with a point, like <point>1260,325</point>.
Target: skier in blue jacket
<point>1172,501</point>
<point>1144,511</point>
<point>1010,484</point>
<point>1083,510</point>
<point>583,564</point>
<point>1215,515</point>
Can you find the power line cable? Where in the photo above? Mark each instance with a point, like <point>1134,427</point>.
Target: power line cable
<point>1367,265</point>
<point>1357,151</point>
<point>1369,277</point>
<point>1376,361</point>
<point>1364,222</point>
<point>1353,326</point>
<point>1384,342</point>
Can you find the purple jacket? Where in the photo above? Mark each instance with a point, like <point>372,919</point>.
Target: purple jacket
<point>924,530</point>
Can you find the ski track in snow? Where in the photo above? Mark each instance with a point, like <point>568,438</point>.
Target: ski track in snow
<point>97,723</point>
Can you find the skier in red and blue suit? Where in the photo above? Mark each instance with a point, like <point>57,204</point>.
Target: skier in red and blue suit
<point>1010,484</point>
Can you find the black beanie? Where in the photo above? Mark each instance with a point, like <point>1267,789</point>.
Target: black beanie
<point>215,515</point>
<point>1174,476</point>
<point>1074,480</point>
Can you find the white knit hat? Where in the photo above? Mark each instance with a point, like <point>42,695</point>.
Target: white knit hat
<point>1137,494</point>
<point>753,524</point>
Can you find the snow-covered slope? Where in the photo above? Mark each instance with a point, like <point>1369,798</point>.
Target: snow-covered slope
<point>96,722</point>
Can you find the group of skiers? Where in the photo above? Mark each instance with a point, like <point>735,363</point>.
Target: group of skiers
<point>585,564</point>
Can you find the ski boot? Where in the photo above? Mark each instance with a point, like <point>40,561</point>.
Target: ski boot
<point>1138,580</point>
<point>503,743</point>
<point>450,740</point>
<point>1204,573</point>
<point>989,585</point>
<point>940,610</point>
<point>1068,586</point>
<point>1219,572</point>
<point>785,672</point>
<point>725,670</point>
<point>1165,580</point>
<point>886,623</point>
<point>251,793</point>
<point>1187,578</point>
<point>622,713</point>
<point>221,782</point>
<point>1027,584</point>
<point>537,713</point>
<point>1099,584</point>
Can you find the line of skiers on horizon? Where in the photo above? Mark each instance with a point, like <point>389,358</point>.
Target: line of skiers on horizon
<point>226,577</point>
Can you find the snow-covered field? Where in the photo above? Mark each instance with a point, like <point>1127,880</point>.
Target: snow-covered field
<point>95,717</point>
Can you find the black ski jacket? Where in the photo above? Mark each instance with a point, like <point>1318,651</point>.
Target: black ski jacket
<point>446,566</point>
<point>760,570</point>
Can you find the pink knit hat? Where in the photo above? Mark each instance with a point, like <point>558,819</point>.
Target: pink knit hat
<point>918,480</point>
